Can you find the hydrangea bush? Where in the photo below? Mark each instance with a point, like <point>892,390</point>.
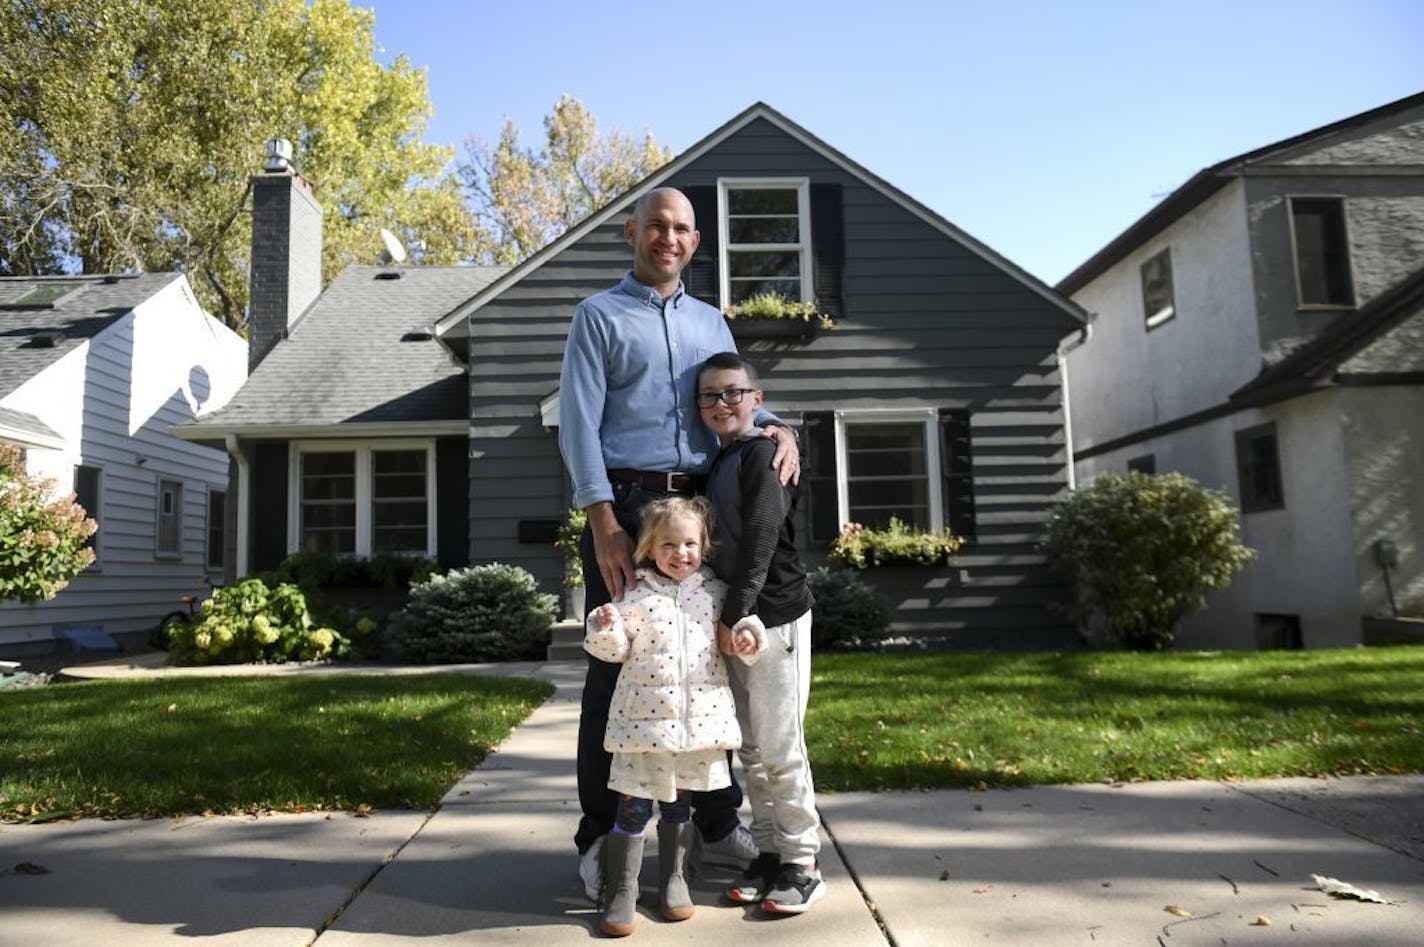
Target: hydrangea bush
<point>43,540</point>
<point>490,612</point>
<point>250,622</point>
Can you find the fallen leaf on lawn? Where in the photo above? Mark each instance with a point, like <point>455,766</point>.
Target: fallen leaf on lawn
<point>1178,910</point>
<point>171,708</point>
<point>1342,889</point>
<point>1261,921</point>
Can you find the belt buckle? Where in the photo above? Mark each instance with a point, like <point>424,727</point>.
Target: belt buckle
<point>670,476</point>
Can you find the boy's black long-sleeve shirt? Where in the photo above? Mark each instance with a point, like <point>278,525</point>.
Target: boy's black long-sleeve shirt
<point>754,538</point>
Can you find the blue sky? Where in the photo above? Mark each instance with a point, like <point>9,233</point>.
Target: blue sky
<point>1043,129</point>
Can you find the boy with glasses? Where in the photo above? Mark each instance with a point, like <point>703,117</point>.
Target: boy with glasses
<point>754,552</point>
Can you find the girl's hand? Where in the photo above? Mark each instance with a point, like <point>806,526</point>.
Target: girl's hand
<point>604,616</point>
<point>744,641</point>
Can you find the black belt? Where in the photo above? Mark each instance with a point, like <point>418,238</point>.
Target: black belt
<point>663,482</point>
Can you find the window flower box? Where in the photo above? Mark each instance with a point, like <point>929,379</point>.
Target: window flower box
<point>773,316</point>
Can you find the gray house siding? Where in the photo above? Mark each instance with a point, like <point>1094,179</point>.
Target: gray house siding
<point>926,323</point>
<point>1384,218</point>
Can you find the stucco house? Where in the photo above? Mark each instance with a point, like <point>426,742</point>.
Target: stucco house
<point>94,371</point>
<point>1261,330</point>
<point>935,397</point>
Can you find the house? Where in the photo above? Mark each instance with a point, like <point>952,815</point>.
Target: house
<point>935,398</point>
<point>94,370</point>
<point>1260,330</point>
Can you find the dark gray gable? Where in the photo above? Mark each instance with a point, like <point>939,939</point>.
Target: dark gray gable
<point>455,322</point>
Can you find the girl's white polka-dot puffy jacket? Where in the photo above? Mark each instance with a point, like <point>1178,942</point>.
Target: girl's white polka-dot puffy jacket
<point>672,694</point>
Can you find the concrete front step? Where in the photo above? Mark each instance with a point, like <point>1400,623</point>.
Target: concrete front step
<point>566,641</point>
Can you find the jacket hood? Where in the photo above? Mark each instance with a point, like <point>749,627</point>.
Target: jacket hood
<point>660,583</point>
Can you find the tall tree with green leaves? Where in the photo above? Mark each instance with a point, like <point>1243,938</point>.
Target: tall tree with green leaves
<point>129,129</point>
<point>523,197</point>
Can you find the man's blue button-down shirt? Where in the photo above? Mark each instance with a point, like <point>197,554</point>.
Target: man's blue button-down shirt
<point>628,389</point>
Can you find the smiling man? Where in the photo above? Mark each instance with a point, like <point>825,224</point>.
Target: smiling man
<point>629,433</point>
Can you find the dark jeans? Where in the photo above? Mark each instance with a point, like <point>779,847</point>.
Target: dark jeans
<point>715,812</point>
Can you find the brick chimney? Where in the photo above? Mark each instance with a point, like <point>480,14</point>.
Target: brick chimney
<point>286,251</point>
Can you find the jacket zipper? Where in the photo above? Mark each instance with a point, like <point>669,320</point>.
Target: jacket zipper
<point>682,663</point>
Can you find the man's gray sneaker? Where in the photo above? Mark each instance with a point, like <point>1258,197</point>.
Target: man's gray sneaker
<point>734,851</point>
<point>797,888</point>
<point>591,869</point>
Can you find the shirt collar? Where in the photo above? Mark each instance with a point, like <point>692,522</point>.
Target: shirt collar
<point>647,294</point>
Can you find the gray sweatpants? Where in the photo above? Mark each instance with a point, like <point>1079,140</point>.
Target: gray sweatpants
<point>771,700</point>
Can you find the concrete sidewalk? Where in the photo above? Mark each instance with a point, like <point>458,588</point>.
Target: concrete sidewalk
<point>494,865</point>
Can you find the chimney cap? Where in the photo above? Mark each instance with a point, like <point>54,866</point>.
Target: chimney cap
<point>279,155</point>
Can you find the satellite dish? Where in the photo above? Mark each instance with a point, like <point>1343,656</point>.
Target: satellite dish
<point>394,251</point>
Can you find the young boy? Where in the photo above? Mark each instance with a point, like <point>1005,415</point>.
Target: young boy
<point>754,552</point>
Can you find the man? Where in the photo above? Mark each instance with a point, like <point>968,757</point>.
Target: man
<point>629,433</point>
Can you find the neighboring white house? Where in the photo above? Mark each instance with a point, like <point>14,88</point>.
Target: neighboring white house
<point>1261,330</point>
<point>94,371</point>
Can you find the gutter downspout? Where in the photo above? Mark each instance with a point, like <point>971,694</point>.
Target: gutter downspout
<point>1080,338</point>
<point>244,503</point>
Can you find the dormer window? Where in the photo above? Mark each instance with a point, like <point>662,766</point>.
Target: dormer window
<point>1322,252</point>
<point>765,238</point>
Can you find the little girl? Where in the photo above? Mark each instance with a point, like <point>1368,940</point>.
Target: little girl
<point>672,718</point>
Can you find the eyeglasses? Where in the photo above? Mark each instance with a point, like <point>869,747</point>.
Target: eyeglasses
<point>730,397</point>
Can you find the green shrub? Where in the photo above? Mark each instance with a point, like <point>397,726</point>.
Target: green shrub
<point>567,541</point>
<point>848,613</point>
<point>492,612</point>
<point>250,622</point>
<point>42,539</point>
<point>860,547</point>
<point>323,570</point>
<point>774,305</point>
<point>1142,552</point>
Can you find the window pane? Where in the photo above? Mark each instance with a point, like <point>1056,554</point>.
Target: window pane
<point>170,517</point>
<point>779,263</point>
<point>763,230</point>
<point>1322,254</point>
<point>328,515</point>
<point>887,474</point>
<point>86,494</point>
<point>1157,285</point>
<point>762,200</point>
<point>745,289</point>
<point>399,504</point>
<point>217,528</point>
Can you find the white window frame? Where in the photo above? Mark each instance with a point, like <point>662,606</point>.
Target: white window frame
<point>802,186</point>
<point>364,480</point>
<point>933,473</point>
<point>158,550</point>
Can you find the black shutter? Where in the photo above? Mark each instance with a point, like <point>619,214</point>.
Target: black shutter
<point>700,277</point>
<point>957,471</point>
<point>828,247</point>
<point>819,472</point>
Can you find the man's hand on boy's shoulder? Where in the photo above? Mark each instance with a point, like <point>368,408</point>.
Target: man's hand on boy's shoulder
<point>787,459</point>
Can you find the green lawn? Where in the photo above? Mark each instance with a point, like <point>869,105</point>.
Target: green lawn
<point>190,745</point>
<point>924,721</point>
<point>169,746</point>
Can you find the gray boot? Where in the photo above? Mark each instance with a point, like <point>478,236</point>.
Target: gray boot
<point>674,843</point>
<point>622,857</point>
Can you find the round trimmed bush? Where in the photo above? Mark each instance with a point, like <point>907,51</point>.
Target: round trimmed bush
<point>491,612</point>
<point>848,613</point>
